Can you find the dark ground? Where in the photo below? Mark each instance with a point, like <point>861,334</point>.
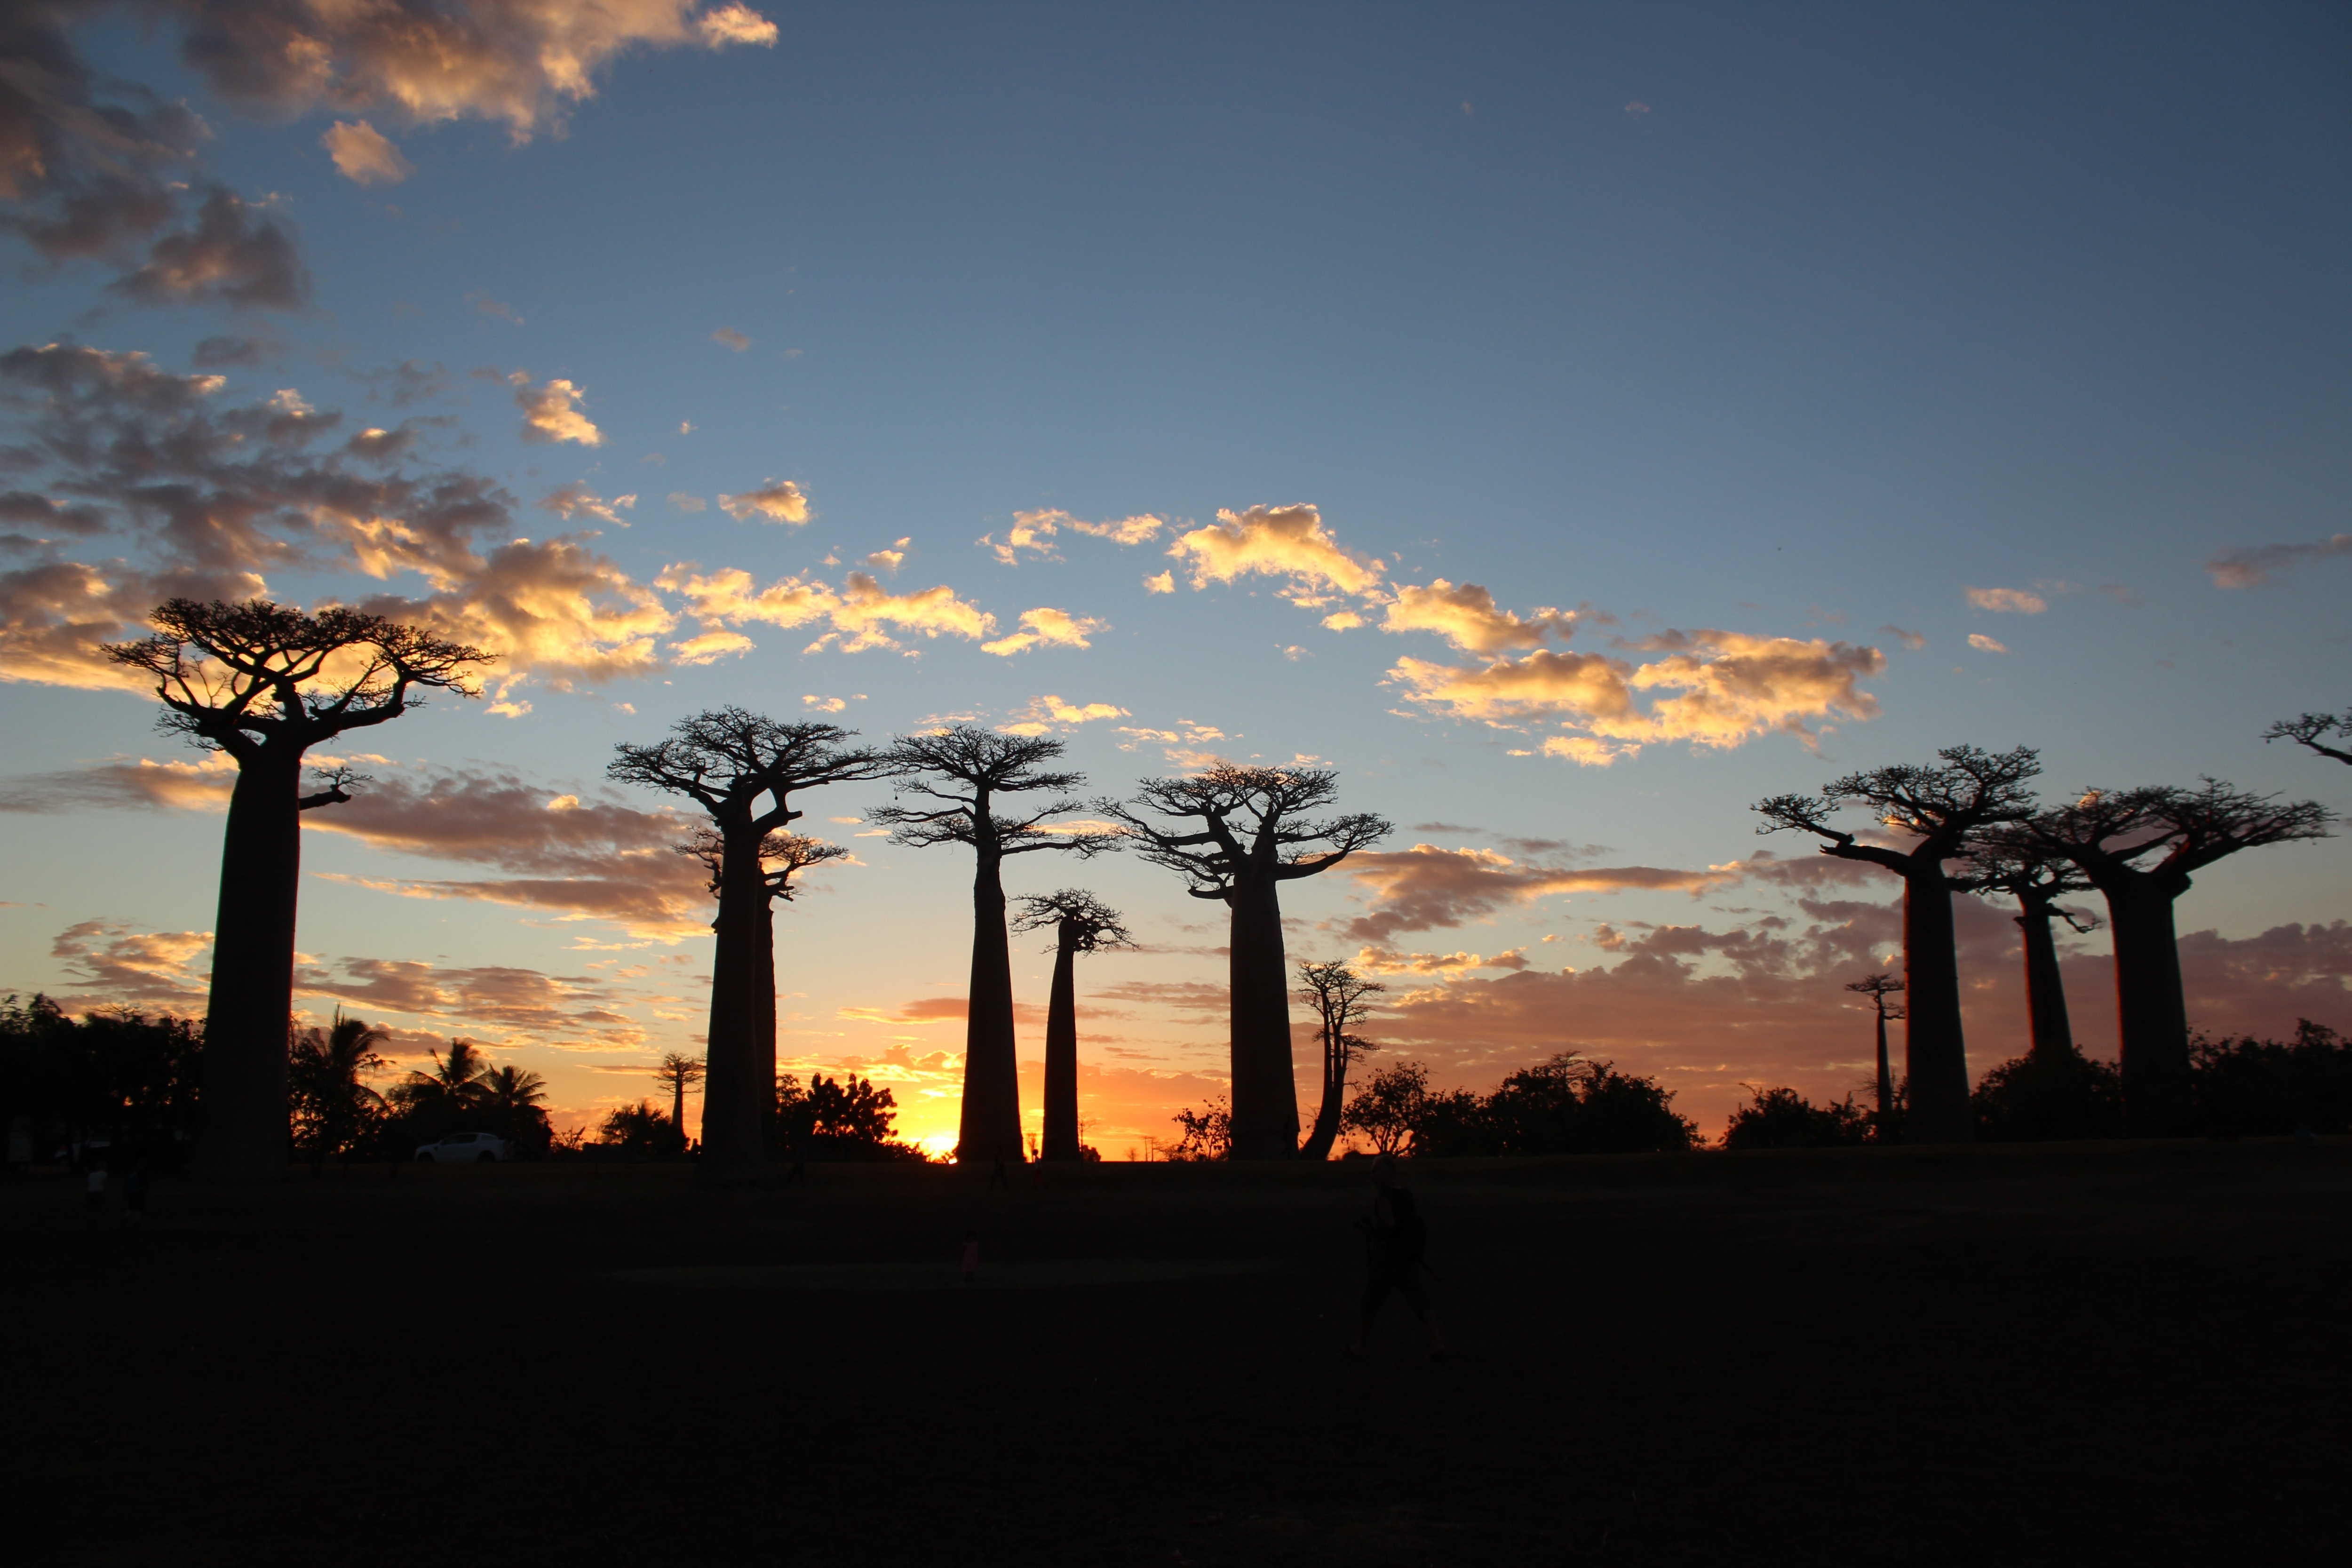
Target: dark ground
<point>2065,1355</point>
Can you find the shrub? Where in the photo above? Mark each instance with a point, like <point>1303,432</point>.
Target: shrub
<point>1783,1118</point>
<point>2039,1099</point>
<point>2247,1088</point>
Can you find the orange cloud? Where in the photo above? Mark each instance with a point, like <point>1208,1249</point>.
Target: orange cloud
<point>778,502</point>
<point>1467,617</point>
<point>1426,887</point>
<point>363,156</point>
<point>551,413</point>
<point>1286,542</point>
<point>1043,627</point>
<point>2008,601</point>
<point>1034,531</point>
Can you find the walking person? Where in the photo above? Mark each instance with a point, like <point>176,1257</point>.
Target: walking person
<point>1394,1237</point>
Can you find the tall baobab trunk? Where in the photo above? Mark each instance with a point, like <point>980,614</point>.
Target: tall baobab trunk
<point>740,1079</point>
<point>2151,1009</point>
<point>1885,1078</point>
<point>2045,989</point>
<point>1060,1141</point>
<point>1936,1056</point>
<point>990,1127</point>
<point>1265,1096</point>
<point>242,1132</point>
<point>1326,1130</point>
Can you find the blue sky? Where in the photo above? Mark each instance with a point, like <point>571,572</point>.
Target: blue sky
<point>1781,328</point>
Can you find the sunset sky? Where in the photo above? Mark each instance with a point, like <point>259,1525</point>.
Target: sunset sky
<point>1571,423</point>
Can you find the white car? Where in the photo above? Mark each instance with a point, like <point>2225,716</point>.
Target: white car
<point>463,1147</point>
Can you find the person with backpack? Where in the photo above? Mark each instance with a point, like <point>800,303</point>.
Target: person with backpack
<point>1394,1237</point>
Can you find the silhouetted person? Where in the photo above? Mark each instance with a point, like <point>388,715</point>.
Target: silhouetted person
<point>997,1178</point>
<point>1394,1239</point>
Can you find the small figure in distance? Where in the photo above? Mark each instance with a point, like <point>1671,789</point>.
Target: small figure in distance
<point>970,1256</point>
<point>1393,1238</point>
<point>997,1178</point>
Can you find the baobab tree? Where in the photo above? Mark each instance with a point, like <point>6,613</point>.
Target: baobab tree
<point>2310,729</point>
<point>1337,993</point>
<point>1937,809</point>
<point>1081,923</point>
<point>2037,879</point>
<point>678,1072</point>
<point>1252,837</point>
<point>264,683</point>
<point>727,761</point>
<point>2140,847</point>
<point>1878,988</point>
<point>966,771</point>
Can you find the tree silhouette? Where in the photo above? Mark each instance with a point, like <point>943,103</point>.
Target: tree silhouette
<point>677,1073</point>
<point>264,683</point>
<point>514,1100</point>
<point>1878,988</point>
<point>1390,1107</point>
<point>726,760</point>
<point>332,1107</point>
<point>1244,863</point>
<point>1337,994</point>
<point>2037,879</point>
<point>1938,808</point>
<point>2308,730</point>
<point>452,1086</point>
<point>966,771</point>
<point>2140,849</point>
<point>1081,923</point>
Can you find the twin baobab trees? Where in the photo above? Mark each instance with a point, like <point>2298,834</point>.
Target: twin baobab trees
<point>1935,809</point>
<point>1080,923</point>
<point>2140,847</point>
<point>728,761</point>
<point>264,683</point>
<point>966,771</point>
<point>1241,833</point>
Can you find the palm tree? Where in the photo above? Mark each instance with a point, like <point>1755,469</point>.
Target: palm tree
<point>456,1083</point>
<point>331,1106</point>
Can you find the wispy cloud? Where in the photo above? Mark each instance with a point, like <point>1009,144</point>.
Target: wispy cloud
<point>2250,565</point>
<point>363,155</point>
<point>2008,601</point>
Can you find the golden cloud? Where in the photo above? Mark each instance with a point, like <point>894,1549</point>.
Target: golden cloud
<point>778,502</point>
<point>1034,531</point>
<point>1043,627</point>
<point>1428,887</point>
<point>551,413</point>
<point>1467,617</point>
<point>2008,601</point>
<point>363,156</point>
<point>1286,542</point>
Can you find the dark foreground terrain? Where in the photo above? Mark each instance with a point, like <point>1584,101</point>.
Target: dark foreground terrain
<point>2063,1355</point>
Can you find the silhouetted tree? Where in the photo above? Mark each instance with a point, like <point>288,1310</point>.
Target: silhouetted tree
<point>117,1073</point>
<point>641,1131</point>
<point>2140,848</point>
<point>726,760</point>
<point>1081,923</point>
<point>513,1101</point>
<point>677,1073</point>
<point>1252,837</point>
<point>1783,1118</point>
<point>1574,1105</point>
<point>1938,808</point>
<point>1337,993</point>
<point>1390,1106</point>
<point>2045,1095</point>
<point>848,1118</point>
<point>968,771</point>
<point>264,684</point>
<point>1878,988</point>
<point>2308,730</point>
<point>442,1098</point>
<point>2248,1087</point>
<point>1208,1132</point>
<point>2037,879</point>
<point>334,1110</point>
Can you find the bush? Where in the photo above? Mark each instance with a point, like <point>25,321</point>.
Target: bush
<point>119,1075</point>
<point>1783,1118</point>
<point>641,1131</point>
<point>2035,1100</point>
<point>1208,1132</point>
<point>1567,1105</point>
<point>2248,1087</point>
<point>844,1120</point>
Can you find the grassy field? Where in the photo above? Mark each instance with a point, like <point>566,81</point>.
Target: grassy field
<point>2063,1355</point>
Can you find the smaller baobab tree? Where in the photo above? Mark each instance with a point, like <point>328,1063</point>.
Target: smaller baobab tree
<point>2037,879</point>
<point>264,683</point>
<point>1937,809</point>
<point>1081,923</point>
<point>963,772</point>
<point>1244,832</point>
<point>1878,988</point>
<point>728,761</point>
<point>1337,993</point>
<point>2311,732</point>
<point>677,1073</point>
<point>2140,847</point>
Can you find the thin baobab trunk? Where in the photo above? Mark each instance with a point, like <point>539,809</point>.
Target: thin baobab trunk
<point>1886,1082</point>
<point>2045,988</point>
<point>1060,1141</point>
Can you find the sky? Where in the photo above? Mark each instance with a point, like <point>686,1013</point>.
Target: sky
<point>1573,423</point>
